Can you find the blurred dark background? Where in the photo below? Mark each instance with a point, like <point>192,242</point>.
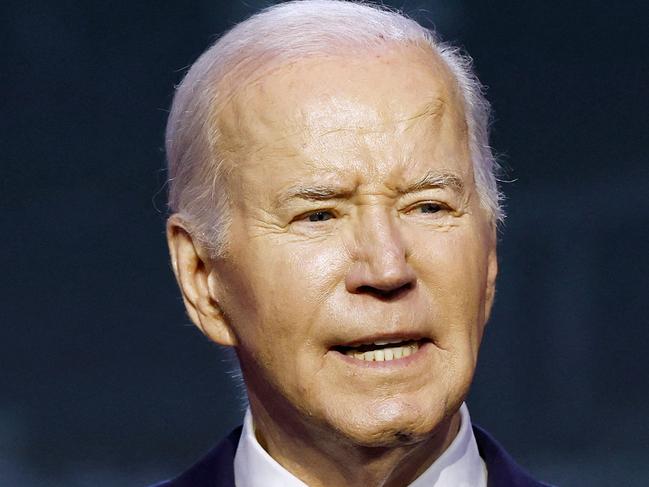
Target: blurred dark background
<point>103,380</point>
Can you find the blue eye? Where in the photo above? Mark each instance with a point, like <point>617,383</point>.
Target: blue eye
<point>430,208</point>
<point>320,216</point>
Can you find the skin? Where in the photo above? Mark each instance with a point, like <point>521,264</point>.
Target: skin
<point>355,217</point>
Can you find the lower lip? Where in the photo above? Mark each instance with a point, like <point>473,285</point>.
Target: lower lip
<point>386,364</point>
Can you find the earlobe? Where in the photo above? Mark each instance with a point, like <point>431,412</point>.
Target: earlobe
<point>192,268</point>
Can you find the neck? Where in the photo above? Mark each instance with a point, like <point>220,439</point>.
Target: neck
<point>321,457</point>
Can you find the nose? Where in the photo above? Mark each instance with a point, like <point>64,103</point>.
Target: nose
<point>380,265</point>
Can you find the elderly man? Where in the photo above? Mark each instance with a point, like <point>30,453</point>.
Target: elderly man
<point>334,222</point>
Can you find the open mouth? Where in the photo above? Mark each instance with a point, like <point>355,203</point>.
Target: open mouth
<point>382,351</point>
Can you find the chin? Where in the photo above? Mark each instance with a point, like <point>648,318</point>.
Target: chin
<point>388,435</point>
<point>391,424</point>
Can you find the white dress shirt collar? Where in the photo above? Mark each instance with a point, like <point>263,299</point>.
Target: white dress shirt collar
<point>459,466</point>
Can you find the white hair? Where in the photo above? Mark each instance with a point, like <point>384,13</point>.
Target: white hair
<point>279,34</point>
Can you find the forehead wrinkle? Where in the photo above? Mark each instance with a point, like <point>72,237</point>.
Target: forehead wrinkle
<point>432,110</point>
<point>248,124</point>
<point>254,136</point>
<point>334,115</point>
<point>356,130</point>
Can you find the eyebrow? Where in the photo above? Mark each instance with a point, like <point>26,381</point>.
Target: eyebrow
<point>316,193</point>
<point>432,180</point>
<point>436,180</point>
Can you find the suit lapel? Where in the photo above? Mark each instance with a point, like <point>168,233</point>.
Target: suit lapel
<point>502,470</point>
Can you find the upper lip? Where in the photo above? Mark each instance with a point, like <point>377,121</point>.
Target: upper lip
<point>379,337</point>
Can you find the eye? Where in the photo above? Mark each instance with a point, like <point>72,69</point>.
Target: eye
<point>319,216</point>
<point>429,208</point>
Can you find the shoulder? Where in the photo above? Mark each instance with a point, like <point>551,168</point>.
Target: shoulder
<point>502,470</point>
<point>215,469</point>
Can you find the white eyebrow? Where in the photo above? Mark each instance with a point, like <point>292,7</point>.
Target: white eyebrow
<point>435,180</point>
<point>316,193</point>
<point>432,180</point>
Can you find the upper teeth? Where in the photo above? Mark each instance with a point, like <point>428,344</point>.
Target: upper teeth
<point>389,353</point>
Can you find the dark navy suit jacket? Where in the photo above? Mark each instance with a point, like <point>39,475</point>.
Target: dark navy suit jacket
<point>216,469</point>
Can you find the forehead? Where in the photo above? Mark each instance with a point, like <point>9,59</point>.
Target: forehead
<point>397,107</point>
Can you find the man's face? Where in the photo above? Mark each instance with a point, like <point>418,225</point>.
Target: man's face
<point>355,222</point>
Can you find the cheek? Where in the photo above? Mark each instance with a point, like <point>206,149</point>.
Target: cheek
<point>280,293</point>
<point>305,273</point>
<point>455,263</point>
<point>452,267</point>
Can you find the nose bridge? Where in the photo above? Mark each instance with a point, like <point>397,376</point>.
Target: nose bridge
<point>380,251</point>
<point>378,238</point>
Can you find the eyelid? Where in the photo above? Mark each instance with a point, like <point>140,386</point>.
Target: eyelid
<point>304,216</point>
<point>418,204</point>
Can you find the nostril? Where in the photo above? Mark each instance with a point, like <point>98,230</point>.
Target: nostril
<point>386,294</point>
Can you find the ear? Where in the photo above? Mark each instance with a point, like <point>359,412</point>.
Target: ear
<point>192,266</point>
<point>492,273</point>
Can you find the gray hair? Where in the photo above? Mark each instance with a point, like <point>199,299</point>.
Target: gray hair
<point>283,33</point>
